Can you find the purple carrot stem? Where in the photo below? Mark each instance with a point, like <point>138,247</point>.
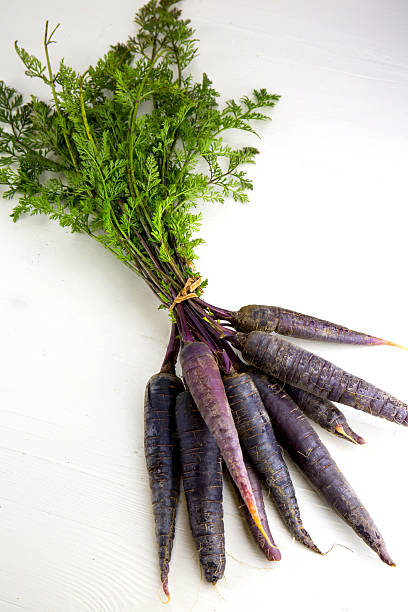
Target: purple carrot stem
<point>222,331</point>
<point>186,333</point>
<point>173,347</point>
<point>237,363</point>
<point>215,329</point>
<point>153,258</point>
<point>227,362</point>
<point>147,274</point>
<point>221,312</point>
<point>204,333</point>
<point>209,336</point>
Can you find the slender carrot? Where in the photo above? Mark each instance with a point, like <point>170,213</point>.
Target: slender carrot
<point>291,323</point>
<point>272,553</point>
<point>324,413</point>
<point>201,467</point>
<point>303,444</point>
<point>316,375</point>
<point>258,440</point>
<point>162,461</point>
<point>204,381</point>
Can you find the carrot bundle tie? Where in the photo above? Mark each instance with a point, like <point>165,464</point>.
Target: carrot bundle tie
<point>188,291</point>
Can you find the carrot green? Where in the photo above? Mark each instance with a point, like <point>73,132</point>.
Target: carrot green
<point>121,144</point>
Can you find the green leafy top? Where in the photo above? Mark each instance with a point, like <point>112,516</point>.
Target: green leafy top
<point>117,152</point>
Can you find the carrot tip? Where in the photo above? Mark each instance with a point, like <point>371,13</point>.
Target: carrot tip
<point>165,585</point>
<point>384,556</point>
<point>317,550</point>
<point>254,513</point>
<point>389,562</point>
<point>355,438</point>
<point>397,345</point>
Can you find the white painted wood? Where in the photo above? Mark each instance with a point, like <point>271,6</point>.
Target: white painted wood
<point>325,233</point>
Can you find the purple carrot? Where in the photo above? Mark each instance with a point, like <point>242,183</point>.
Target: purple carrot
<point>201,468</point>
<point>202,376</point>
<point>303,444</point>
<point>258,440</point>
<point>291,323</point>
<point>162,461</point>
<point>316,375</point>
<point>272,553</point>
<point>324,413</point>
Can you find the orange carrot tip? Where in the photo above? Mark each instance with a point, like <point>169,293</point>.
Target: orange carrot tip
<point>256,519</point>
<point>340,430</point>
<point>166,591</point>
<point>356,439</point>
<point>397,345</point>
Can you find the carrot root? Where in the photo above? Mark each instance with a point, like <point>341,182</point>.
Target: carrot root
<point>352,436</point>
<point>259,443</point>
<point>384,556</point>
<point>290,323</point>
<point>309,372</point>
<point>165,585</point>
<point>203,378</point>
<point>309,453</point>
<point>397,345</point>
<point>254,513</point>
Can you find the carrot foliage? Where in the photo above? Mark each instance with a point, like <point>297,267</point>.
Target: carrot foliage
<point>124,151</point>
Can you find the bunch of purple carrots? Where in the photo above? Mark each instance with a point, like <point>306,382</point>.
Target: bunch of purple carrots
<point>116,155</point>
<point>241,413</point>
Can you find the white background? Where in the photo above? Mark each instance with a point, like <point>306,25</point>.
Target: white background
<point>325,233</point>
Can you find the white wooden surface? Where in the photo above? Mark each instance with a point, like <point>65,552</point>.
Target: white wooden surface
<point>325,233</point>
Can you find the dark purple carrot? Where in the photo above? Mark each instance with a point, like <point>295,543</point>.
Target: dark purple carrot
<point>303,444</point>
<point>258,440</point>
<point>204,381</point>
<point>162,461</point>
<point>324,413</point>
<point>201,468</point>
<point>291,323</point>
<point>316,375</point>
<point>272,553</point>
